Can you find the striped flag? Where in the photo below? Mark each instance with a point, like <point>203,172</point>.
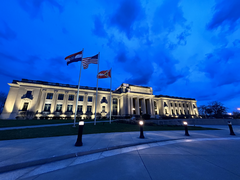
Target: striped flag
<point>74,57</point>
<point>89,60</point>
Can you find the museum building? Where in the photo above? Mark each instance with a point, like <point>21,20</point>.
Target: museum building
<point>55,100</point>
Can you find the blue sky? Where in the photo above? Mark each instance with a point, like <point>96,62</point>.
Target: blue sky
<point>179,47</point>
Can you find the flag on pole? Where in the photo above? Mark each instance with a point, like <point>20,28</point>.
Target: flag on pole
<point>104,74</point>
<point>89,60</point>
<point>74,57</point>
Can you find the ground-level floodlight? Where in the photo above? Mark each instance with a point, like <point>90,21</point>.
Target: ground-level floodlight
<point>186,128</point>
<point>80,131</point>
<point>141,129</point>
<point>230,128</point>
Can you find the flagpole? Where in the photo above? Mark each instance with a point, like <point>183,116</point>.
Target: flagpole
<point>96,90</point>
<point>110,96</point>
<point>78,92</point>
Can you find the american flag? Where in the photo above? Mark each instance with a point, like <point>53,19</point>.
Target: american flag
<point>89,60</point>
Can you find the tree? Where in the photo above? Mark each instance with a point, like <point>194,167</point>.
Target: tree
<point>236,114</point>
<point>202,110</point>
<point>217,109</point>
<point>3,97</point>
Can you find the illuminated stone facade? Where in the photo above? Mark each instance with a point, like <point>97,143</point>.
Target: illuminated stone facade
<point>55,100</point>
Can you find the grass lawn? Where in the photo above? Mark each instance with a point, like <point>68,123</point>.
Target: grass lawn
<point>88,129</point>
<point>32,122</point>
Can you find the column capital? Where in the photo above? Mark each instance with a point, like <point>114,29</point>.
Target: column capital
<point>55,91</point>
<point>66,92</point>
<point>44,90</point>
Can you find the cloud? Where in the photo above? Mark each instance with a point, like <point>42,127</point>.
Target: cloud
<point>99,29</point>
<point>226,16</point>
<point>127,14</point>
<point>6,32</point>
<point>167,16</point>
<point>34,8</point>
<point>221,66</point>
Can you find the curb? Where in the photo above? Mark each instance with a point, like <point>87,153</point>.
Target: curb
<point>13,167</point>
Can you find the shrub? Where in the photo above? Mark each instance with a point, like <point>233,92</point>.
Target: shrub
<point>146,116</point>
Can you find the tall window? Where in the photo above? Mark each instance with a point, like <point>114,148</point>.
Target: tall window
<point>59,108</point>
<point>187,105</point>
<point>29,94</point>
<point>60,96</point>
<point>80,98</point>
<point>69,108</point>
<point>114,106</point>
<point>71,97</point>
<point>173,112</point>
<point>181,112</point>
<point>89,108</point>
<point>176,112</point>
<point>171,104</point>
<point>175,104</point>
<point>103,108</point>
<point>179,105</point>
<point>25,106</point>
<point>47,107</point>
<point>49,95</point>
<point>165,104</point>
<point>165,111</point>
<point>184,112</point>
<point>183,105</point>
<point>188,112</point>
<point>79,109</point>
<point>89,98</point>
<point>155,105</point>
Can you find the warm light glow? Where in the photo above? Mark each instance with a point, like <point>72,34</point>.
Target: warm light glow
<point>185,123</point>
<point>141,123</point>
<point>238,109</point>
<point>81,123</point>
<point>133,108</point>
<point>229,113</point>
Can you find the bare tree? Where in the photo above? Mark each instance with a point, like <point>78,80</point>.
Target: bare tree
<point>217,108</point>
<point>202,110</point>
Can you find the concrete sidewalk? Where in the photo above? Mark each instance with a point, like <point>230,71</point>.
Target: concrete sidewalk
<point>17,154</point>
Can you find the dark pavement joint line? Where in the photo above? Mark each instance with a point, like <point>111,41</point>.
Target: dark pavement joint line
<point>72,155</point>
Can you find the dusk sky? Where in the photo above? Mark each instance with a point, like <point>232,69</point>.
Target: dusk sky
<point>181,48</point>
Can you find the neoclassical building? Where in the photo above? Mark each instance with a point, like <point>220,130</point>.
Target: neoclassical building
<point>46,99</point>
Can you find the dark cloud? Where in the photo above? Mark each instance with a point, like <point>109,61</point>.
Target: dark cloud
<point>33,8</point>
<point>99,29</point>
<point>127,14</point>
<point>167,16</point>
<point>221,66</point>
<point>226,15</point>
<point>6,32</point>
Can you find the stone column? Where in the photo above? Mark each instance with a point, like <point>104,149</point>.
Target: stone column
<point>143,106</point>
<point>93,104</point>
<point>42,101</point>
<point>137,106</point>
<point>54,100</point>
<point>118,106</point>
<point>153,108</point>
<point>65,101</point>
<point>74,102</point>
<point>131,102</point>
<point>85,99</point>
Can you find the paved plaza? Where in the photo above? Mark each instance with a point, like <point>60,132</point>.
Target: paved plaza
<point>205,154</point>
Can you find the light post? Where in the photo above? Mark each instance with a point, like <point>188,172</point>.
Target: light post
<point>80,131</point>
<point>230,128</point>
<point>141,129</point>
<point>186,128</point>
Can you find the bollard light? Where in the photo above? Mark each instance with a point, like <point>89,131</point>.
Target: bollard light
<point>230,128</point>
<point>80,131</point>
<point>186,128</point>
<point>141,129</point>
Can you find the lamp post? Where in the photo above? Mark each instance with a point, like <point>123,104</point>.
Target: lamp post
<point>186,128</point>
<point>80,131</point>
<point>141,129</point>
<point>230,128</point>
